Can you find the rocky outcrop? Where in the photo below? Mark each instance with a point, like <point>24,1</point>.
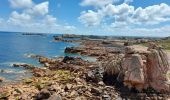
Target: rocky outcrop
<point>149,70</point>
<point>142,68</point>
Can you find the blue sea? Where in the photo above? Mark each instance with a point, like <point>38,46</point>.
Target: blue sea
<point>15,47</point>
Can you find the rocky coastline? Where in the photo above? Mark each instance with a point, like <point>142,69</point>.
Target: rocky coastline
<point>123,70</point>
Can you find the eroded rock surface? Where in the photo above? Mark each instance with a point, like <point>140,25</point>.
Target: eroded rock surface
<point>149,70</point>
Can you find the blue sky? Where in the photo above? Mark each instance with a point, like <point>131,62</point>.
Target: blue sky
<point>96,17</point>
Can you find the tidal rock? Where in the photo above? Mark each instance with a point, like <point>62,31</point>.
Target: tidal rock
<point>58,38</point>
<point>67,58</point>
<point>74,60</point>
<point>73,50</point>
<point>28,66</point>
<point>44,60</point>
<point>38,72</point>
<point>1,79</point>
<point>43,94</point>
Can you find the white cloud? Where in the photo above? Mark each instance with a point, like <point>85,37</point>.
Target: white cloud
<point>102,3</point>
<point>39,9</point>
<point>19,19</point>
<point>127,14</point>
<point>21,3</point>
<point>152,14</point>
<point>96,3</point>
<point>50,20</point>
<point>111,18</point>
<point>33,18</point>
<point>90,18</point>
<point>115,13</point>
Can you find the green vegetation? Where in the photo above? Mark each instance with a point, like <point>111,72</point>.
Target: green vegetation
<point>164,43</point>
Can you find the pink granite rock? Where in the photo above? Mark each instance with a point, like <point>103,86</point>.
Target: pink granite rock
<point>157,70</point>
<point>149,70</point>
<point>133,71</point>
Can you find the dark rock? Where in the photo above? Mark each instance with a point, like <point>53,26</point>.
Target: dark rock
<point>95,75</point>
<point>74,60</point>
<point>67,58</point>
<point>72,50</point>
<point>43,94</point>
<point>58,38</point>
<point>28,66</point>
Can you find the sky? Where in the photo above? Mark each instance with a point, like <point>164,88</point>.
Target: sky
<point>87,17</point>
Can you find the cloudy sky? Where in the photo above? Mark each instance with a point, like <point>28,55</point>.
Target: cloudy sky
<point>96,17</point>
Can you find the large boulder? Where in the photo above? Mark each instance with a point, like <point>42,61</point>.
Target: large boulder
<point>134,72</point>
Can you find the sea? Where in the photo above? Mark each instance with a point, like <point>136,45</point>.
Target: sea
<point>16,47</point>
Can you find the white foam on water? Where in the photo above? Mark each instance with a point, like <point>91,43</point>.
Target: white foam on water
<point>10,63</point>
<point>8,71</point>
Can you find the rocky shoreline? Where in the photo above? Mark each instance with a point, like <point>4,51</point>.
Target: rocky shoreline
<point>120,72</point>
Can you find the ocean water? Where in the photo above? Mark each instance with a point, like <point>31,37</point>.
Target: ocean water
<point>14,48</point>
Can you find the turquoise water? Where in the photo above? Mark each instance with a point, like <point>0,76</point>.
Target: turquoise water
<point>14,48</point>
